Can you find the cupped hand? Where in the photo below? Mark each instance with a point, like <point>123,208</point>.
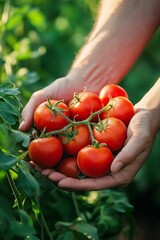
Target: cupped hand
<point>60,89</point>
<point>140,136</point>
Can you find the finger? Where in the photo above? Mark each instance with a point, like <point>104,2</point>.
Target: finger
<point>134,147</point>
<point>56,176</point>
<point>89,184</point>
<point>28,111</point>
<point>47,172</point>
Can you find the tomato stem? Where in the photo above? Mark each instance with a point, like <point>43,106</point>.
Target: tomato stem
<point>72,123</point>
<point>15,193</point>
<point>45,226</point>
<point>75,204</point>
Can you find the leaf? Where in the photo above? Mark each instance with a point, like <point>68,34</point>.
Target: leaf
<point>8,88</point>
<point>22,230</point>
<point>68,235</point>
<point>44,183</point>
<point>21,137</point>
<point>80,228</point>
<point>32,238</point>
<point>13,101</point>
<point>87,230</point>
<point>27,182</point>
<point>6,161</point>
<point>6,113</point>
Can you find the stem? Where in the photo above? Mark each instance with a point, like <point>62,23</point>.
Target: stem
<point>75,123</point>
<point>91,133</point>
<point>63,115</point>
<point>45,226</point>
<point>75,204</point>
<point>15,192</point>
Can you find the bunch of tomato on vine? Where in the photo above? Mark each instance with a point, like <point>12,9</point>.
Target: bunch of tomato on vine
<point>82,138</point>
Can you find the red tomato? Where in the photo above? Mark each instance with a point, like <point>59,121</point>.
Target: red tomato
<point>45,152</point>
<point>111,131</point>
<point>45,118</point>
<point>111,91</point>
<point>83,104</point>
<point>80,139</point>
<point>68,166</point>
<point>93,161</point>
<point>122,108</point>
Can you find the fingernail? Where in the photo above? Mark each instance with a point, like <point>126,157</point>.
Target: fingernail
<point>117,166</point>
<point>21,125</point>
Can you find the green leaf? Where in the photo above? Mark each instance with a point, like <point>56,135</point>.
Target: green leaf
<point>80,228</point>
<point>22,230</point>
<point>6,161</point>
<point>32,238</point>
<point>6,113</point>
<point>68,235</point>
<point>27,182</point>
<point>86,229</point>
<point>8,88</point>
<point>21,137</point>
<point>44,183</point>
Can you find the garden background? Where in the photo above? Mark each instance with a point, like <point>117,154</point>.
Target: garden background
<point>38,42</point>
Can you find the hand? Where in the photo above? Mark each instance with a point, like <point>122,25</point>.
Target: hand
<point>141,132</point>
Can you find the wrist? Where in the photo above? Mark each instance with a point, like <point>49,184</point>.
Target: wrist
<point>151,103</point>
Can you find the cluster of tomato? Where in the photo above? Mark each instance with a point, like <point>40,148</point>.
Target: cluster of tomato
<point>82,137</point>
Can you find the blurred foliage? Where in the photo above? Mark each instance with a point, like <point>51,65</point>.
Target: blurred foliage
<point>38,42</point>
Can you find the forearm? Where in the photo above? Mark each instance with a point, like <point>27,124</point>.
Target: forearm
<point>122,30</point>
<point>151,103</point>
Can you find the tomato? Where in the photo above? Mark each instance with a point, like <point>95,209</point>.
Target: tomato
<point>111,131</point>
<point>68,166</point>
<point>111,91</point>
<point>94,161</point>
<point>83,104</point>
<point>122,108</point>
<point>45,118</point>
<point>81,138</point>
<point>45,152</point>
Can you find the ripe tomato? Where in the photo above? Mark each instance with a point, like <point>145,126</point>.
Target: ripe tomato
<point>93,161</point>
<point>111,131</point>
<point>111,91</point>
<point>81,138</point>
<point>45,118</point>
<point>45,152</point>
<point>83,104</point>
<point>122,108</point>
<point>68,166</point>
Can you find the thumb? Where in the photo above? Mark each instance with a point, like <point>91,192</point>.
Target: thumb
<point>135,147</point>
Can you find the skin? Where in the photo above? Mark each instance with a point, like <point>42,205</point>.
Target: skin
<point>112,42</point>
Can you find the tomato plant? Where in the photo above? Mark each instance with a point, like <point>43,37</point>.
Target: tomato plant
<point>83,104</point>
<point>69,167</point>
<point>121,108</point>
<point>45,152</point>
<point>111,131</point>
<point>111,91</point>
<point>46,117</point>
<point>94,161</point>
<point>76,138</point>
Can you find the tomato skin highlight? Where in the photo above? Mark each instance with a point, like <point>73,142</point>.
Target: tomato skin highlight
<point>68,166</point>
<point>94,162</point>
<point>46,152</point>
<point>81,140</point>
<point>86,104</point>
<point>111,91</point>
<point>122,109</point>
<point>43,117</point>
<point>114,133</point>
